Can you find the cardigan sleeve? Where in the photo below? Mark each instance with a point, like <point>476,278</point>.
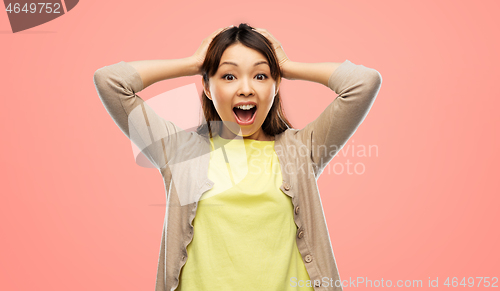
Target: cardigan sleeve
<point>357,87</point>
<point>117,86</point>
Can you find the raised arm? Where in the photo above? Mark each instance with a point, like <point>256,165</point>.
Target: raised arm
<point>117,86</point>
<point>152,71</point>
<point>357,87</point>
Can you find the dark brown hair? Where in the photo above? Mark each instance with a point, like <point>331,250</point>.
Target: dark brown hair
<point>276,121</point>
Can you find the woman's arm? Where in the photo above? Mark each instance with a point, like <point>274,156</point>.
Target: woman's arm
<point>357,87</point>
<point>314,72</point>
<point>117,86</point>
<point>152,71</point>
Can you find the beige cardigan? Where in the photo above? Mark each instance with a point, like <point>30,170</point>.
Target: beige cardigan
<point>303,154</point>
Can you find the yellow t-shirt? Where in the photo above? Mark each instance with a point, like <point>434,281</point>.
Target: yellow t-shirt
<point>244,231</point>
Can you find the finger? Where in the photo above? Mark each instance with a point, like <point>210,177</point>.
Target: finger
<point>261,31</point>
<point>219,30</point>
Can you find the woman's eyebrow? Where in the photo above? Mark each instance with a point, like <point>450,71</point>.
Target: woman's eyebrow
<point>234,64</point>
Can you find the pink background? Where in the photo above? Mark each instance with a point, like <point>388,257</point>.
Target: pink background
<point>78,213</point>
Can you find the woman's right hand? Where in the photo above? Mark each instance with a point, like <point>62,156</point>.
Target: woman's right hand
<point>200,54</point>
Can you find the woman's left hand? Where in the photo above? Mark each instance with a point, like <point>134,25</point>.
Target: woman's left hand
<point>282,58</point>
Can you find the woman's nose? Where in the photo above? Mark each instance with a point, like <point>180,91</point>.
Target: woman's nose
<point>246,87</point>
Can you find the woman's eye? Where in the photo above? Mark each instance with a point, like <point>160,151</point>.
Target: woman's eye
<point>226,75</point>
<point>265,76</point>
<point>232,76</point>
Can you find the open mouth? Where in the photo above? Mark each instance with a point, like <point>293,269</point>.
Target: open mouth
<point>245,117</point>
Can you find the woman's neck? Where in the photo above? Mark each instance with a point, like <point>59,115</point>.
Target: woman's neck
<point>258,135</point>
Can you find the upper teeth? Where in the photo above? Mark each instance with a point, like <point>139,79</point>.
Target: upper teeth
<point>246,107</point>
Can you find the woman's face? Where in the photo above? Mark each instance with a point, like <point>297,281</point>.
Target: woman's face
<point>243,76</point>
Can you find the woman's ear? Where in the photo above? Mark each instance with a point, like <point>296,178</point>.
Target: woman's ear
<point>208,95</point>
<point>277,87</point>
<point>206,89</point>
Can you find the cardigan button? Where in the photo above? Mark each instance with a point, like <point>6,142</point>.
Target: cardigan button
<point>308,258</point>
<point>301,234</point>
<point>316,283</point>
<point>286,186</point>
<point>297,210</point>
